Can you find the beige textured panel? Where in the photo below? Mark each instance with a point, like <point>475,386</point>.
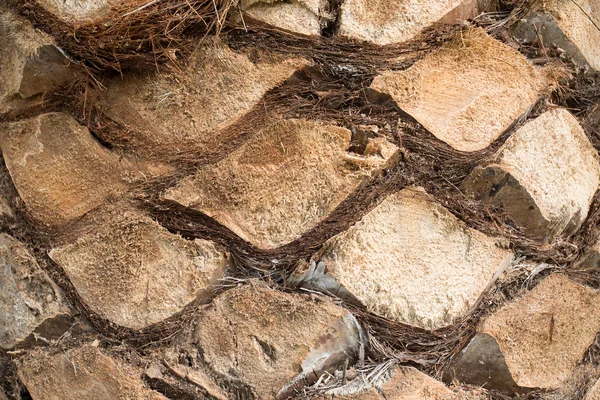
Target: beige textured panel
<point>28,296</point>
<point>169,114</point>
<point>272,341</point>
<point>554,173</point>
<point>81,373</point>
<point>135,273</point>
<point>468,92</point>
<point>282,182</point>
<point>301,16</point>
<point>60,171</point>
<point>579,21</point>
<point>391,21</point>
<point>412,261</point>
<point>544,334</point>
<point>403,383</point>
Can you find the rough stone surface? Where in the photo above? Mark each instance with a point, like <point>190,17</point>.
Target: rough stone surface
<point>6,212</point>
<point>81,373</point>
<point>82,11</point>
<point>468,92</point>
<point>544,176</point>
<point>388,21</point>
<point>60,171</point>
<point>402,383</point>
<point>135,273</point>
<point>594,393</point>
<point>412,261</point>
<point>170,114</point>
<point>272,341</point>
<point>567,25</point>
<point>300,16</point>
<point>30,63</point>
<point>545,333</point>
<point>28,297</point>
<point>282,182</point>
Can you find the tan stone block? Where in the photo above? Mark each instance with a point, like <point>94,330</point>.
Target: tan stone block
<point>389,21</point>
<point>30,63</point>
<point>402,383</point>
<point>412,261</point>
<point>81,373</point>
<point>166,115</point>
<point>274,342</point>
<point>299,16</point>
<point>544,176</point>
<point>468,92</point>
<point>540,336</point>
<point>29,299</point>
<point>60,171</point>
<point>136,273</point>
<point>281,182</point>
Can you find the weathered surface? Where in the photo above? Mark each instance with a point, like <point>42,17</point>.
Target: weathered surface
<point>594,393</point>
<point>30,63</point>
<point>60,171</point>
<point>81,373</point>
<point>165,115</point>
<point>402,383</point>
<point>281,182</point>
<point>468,92</point>
<point>135,273</point>
<point>388,21</point>
<point>300,16</point>
<point>28,297</point>
<point>6,212</point>
<point>82,11</point>
<point>272,342</point>
<point>569,26</point>
<point>542,335</point>
<point>412,261</point>
<point>544,176</point>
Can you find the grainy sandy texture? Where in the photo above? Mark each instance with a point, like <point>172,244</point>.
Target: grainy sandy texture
<point>28,296</point>
<point>60,171</point>
<point>544,334</point>
<point>402,383</point>
<point>81,373</point>
<point>300,16</point>
<point>30,64</point>
<point>412,261</point>
<point>390,21</point>
<point>577,23</point>
<point>135,273</point>
<point>270,340</point>
<point>468,92</point>
<point>83,11</point>
<point>170,114</point>
<point>545,175</point>
<point>282,182</point>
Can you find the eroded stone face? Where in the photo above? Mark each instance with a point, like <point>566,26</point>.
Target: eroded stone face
<point>30,63</point>
<point>135,273</point>
<point>544,334</point>
<point>300,16</point>
<point>412,261</point>
<point>389,21</point>
<point>468,92</point>
<point>81,373</point>
<point>166,115</point>
<point>567,25</point>
<point>282,182</point>
<point>29,298</point>
<point>544,176</point>
<point>60,171</point>
<point>274,342</point>
<point>402,383</point>
<point>83,11</point>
